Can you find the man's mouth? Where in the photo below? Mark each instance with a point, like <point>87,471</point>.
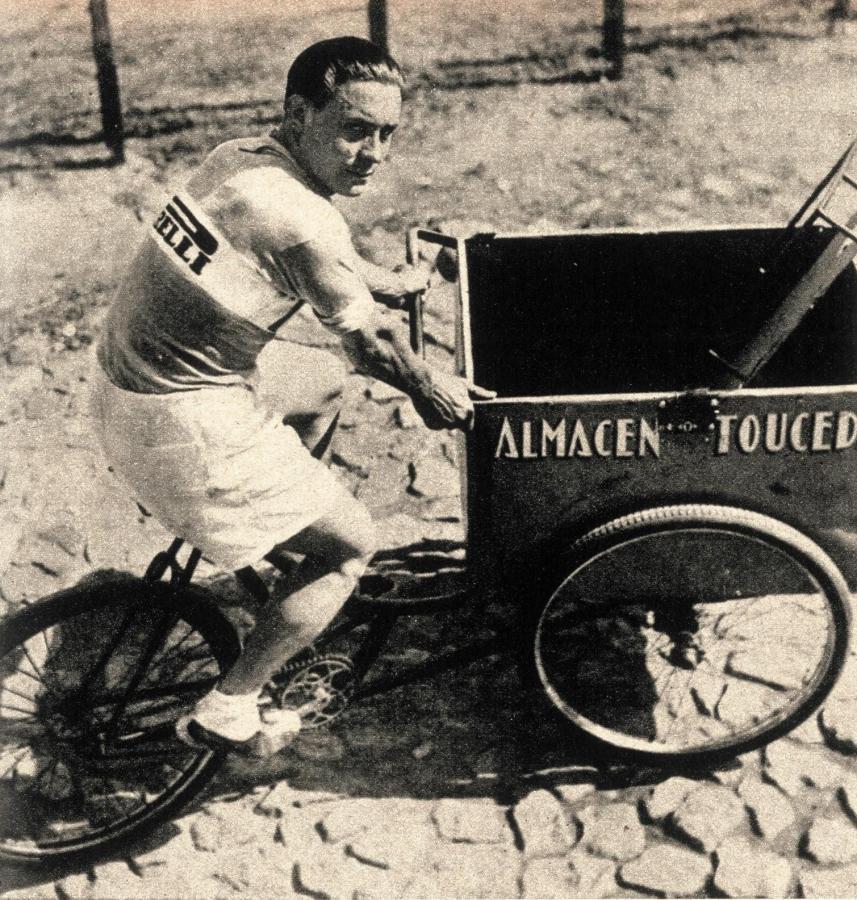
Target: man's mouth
<point>361,173</point>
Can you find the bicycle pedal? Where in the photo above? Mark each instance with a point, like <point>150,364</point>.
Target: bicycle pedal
<point>266,744</point>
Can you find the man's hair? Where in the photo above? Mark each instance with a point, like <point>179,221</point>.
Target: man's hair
<point>321,68</point>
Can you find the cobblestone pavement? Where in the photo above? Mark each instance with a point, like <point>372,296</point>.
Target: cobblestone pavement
<point>445,789</point>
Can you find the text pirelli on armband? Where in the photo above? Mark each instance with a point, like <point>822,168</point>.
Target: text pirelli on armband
<point>818,431</point>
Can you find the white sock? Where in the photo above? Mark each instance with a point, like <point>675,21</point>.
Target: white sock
<point>233,716</point>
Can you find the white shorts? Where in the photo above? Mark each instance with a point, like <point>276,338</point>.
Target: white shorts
<point>214,466</point>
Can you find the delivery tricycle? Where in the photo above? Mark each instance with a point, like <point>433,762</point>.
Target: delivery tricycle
<point>660,502</point>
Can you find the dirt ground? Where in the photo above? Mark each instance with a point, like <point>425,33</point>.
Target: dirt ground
<point>729,112</point>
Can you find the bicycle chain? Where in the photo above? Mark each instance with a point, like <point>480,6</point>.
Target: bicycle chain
<point>310,659</point>
<point>280,683</point>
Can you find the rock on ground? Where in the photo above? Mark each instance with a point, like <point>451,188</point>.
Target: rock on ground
<point>707,816</point>
<point>792,766</point>
<point>549,877</point>
<point>770,811</point>
<point>472,821</point>
<point>612,831</point>
<point>749,869</point>
<point>667,796</point>
<point>838,724</point>
<point>825,883</point>
<point>542,825</point>
<point>831,841</point>
<point>667,869</point>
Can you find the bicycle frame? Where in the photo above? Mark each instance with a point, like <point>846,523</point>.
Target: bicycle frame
<point>380,614</point>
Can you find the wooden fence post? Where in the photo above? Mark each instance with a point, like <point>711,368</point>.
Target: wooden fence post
<point>378,24</point>
<point>613,36</point>
<point>108,81</point>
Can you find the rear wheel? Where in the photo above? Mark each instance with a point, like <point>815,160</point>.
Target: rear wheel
<point>690,633</point>
<point>91,682</point>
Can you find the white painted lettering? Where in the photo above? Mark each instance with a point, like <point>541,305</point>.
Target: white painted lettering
<point>506,446</point>
<point>822,425</point>
<point>600,437</point>
<point>527,441</point>
<point>724,432</point>
<point>749,434</point>
<point>555,437</point>
<point>846,431</point>
<point>579,445</point>
<point>650,439</point>
<point>796,439</point>
<point>775,432</point>
<point>625,432</point>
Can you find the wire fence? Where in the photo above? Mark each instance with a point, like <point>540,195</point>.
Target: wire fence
<point>167,56</point>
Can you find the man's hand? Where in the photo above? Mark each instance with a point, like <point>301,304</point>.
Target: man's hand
<point>442,400</point>
<point>404,281</point>
<point>446,401</point>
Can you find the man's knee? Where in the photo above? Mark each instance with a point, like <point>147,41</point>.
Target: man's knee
<point>344,540</point>
<point>361,547</point>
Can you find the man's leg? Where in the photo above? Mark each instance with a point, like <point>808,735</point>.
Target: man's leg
<point>336,551</point>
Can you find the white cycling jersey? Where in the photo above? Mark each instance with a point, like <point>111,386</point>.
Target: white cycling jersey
<point>214,278</point>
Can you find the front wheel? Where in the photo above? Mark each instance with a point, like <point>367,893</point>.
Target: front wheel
<point>690,633</point>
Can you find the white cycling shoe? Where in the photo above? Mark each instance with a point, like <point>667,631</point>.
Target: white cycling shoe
<point>234,722</point>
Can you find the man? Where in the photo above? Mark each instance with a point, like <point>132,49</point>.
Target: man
<point>208,412</point>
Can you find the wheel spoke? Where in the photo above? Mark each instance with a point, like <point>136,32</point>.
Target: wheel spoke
<point>91,751</point>
<point>695,674</point>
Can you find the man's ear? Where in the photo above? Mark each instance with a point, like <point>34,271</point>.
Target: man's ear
<point>295,113</point>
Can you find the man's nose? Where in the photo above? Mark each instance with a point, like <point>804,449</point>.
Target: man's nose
<point>373,148</point>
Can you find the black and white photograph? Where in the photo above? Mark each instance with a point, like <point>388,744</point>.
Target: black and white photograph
<point>428,449</point>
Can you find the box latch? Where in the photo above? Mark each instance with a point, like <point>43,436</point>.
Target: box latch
<point>692,414</point>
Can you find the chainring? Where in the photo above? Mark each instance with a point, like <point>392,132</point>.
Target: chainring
<point>319,687</point>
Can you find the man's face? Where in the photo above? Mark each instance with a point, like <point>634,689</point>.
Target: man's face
<point>342,144</point>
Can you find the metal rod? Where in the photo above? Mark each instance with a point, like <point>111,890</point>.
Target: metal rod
<point>415,301</point>
<point>378,32</point>
<point>436,666</point>
<point>108,81</point>
<point>166,621</point>
<point>613,36</point>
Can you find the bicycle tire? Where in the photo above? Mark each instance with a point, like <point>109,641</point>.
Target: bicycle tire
<point>75,788</point>
<point>634,620</point>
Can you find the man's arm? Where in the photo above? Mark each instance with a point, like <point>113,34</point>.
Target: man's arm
<point>327,276</point>
<point>391,286</point>
<point>442,400</point>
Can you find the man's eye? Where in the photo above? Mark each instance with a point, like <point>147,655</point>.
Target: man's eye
<point>356,132</point>
<point>387,133</point>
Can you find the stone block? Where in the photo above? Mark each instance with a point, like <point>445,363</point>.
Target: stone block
<point>707,816</point>
<point>574,793</point>
<point>469,870</point>
<point>838,724</point>
<point>668,870</point>
<point>595,877</point>
<point>667,796</point>
<point>578,875</point>
<point>542,825</point>
<point>612,831</point>
<point>831,841</point>
<point>827,883</point>
<point>472,822</point>
<point>793,766</point>
<point>771,812</point>
<point>548,877</point>
<point>748,869</point>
